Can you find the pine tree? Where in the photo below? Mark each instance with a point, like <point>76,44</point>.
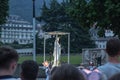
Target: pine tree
<point>3,10</point>
<point>105,12</point>
<point>56,19</point>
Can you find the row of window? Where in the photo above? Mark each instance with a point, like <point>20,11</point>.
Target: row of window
<point>16,36</point>
<point>17,25</point>
<point>102,46</point>
<point>13,29</point>
<point>20,41</point>
<point>16,33</point>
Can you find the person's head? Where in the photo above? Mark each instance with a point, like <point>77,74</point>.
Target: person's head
<point>66,72</point>
<point>29,70</point>
<point>113,47</point>
<point>115,77</point>
<point>53,69</point>
<point>8,59</point>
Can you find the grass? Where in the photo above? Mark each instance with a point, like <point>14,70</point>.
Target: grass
<point>74,59</point>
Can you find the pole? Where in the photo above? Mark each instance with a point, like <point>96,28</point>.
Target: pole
<point>56,50</point>
<point>34,33</point>
<point>50,57</point>
<point>68,48</point>
<point>44,45</point>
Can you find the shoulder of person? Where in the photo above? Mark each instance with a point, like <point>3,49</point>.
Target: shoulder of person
<point>11,79</point>
<point>103,66</point>
<point>95,74</point>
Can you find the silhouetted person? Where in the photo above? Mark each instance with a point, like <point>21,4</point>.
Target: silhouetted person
<point>8,62</point>
<point>29,70</point>
<point>66,72</point>
<point>53,69</point>
<point>113,51</point>
<point>98,59</point>
<point>115,77</point>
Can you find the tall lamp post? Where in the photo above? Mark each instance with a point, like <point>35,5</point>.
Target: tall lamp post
<point>34,32</point>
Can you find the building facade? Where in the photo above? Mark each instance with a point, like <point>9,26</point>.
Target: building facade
<point>17,30</point>
<point>101,41</point>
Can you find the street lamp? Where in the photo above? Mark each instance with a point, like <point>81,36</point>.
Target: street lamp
<point>34,32</point>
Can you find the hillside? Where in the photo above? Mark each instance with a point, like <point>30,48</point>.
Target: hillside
<point>24,8</point>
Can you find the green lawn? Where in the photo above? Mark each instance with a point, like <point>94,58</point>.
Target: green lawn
<point>74,59</point>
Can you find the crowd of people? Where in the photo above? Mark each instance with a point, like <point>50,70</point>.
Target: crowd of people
<point>8,63</point>
<point>29,68</point>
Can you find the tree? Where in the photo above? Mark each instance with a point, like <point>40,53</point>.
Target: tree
<point>105,12</point>
<point>77,9</point>
<point>1,43</point>
<point>3,10</point>
<point>56,19</point>
<point>112,14</point>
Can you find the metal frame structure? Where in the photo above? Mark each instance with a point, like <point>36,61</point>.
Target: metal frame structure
<point>56,34</point>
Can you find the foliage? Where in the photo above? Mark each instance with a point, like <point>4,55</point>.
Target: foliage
<point>1,43</point>
<point>3,10</point>
<point>105,12</point>
<point>56,19</point>
<point>112,14</point>
<point>39,44</point>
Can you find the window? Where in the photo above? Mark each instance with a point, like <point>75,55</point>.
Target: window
<point>104,46</point>
<point>16,25</point>
<point>13,25</point>
<point>10,25</point>
<point>24,25</point>
<point>20,25</point>
<point>6,24</point>
<point>28,25</point>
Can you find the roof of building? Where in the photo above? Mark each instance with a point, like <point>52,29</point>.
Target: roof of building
<point>16,19</point>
